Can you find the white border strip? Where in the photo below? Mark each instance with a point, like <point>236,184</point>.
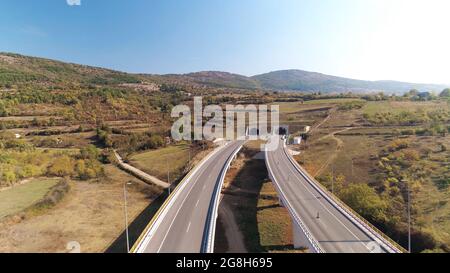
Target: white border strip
<point>314,243</point>
<point>160,215</point>
<point>208,244</point>
<point>358,222</point>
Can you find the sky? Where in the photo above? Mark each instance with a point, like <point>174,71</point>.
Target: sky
<point>406,40</point>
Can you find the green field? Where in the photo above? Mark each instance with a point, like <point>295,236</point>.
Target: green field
<point>20,197</point>
<point>173,158</point>
<point>400,106</point>
<point>293,107</point>
<point>332,101</point>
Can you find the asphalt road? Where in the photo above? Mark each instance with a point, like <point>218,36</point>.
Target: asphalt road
<point>334,232</point>
<point>182,228</point>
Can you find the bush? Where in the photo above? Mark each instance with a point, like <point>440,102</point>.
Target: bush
<point>55,195</point>
<point>398,144</point>
<point>411,155</point>
<point>88,169</point>
<point>63,166</point>
<point>364,200</point>
<point>89,152</point>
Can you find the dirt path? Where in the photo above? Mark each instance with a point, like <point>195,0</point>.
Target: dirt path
<point>234,236</point>
<point>324,120</point>
<point>332,157</point>
<point>140,174</point>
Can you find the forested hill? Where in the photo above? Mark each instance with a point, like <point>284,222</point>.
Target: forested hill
<point>17,69</point>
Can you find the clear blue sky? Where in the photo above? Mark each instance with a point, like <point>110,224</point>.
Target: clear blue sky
<point>367,39</point>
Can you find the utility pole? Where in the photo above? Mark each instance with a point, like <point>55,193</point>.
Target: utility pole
<point>409,219</point>
<point>189,155</point>
<point>353,171</point>
<point>168,173</point>
<point>408,196</point>
<point>126,215</point>
<point>332,179</point>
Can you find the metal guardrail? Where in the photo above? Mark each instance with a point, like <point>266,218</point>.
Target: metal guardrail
<point>360,221</point>
<point>210,229</point>
<point>167,204</point>
<point>313,242</point>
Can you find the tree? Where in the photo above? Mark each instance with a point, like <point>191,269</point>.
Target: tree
<point>445,93</point>
<point>62,166</point>
<point>89,152</point>
<point>3,109</point>
<point>413,92</point>
<point>364,200</point>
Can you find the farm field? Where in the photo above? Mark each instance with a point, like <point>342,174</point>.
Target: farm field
<point>159,162</point>
<point>18,198</point>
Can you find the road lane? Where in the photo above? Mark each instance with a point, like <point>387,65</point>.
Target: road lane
<point>334,232</point>
<point>182,228</point>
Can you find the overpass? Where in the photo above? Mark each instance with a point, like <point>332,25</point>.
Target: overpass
<point>186,222</point>
<point>321,222</point>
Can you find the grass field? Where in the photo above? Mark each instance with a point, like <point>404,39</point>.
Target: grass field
<point>158,162</point>
<point>91,214</point>
<point>332,101</point>
<point>20,197</point>
<point>274,222</point>
<point>399,106</point>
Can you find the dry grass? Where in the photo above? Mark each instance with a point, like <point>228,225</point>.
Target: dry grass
<point>158,162</point>
<point>360,146</point>
<point>91,214</point>
<point>266,227</point>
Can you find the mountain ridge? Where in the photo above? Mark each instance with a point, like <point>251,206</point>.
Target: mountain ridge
<point>14,66</point>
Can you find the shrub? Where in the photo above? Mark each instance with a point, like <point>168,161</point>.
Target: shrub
<point>88,169</point>
<point>89,152</point>
<point>411,155</point>
<point>364,200</point>
<point>398,144</point>
<point>63,166</point>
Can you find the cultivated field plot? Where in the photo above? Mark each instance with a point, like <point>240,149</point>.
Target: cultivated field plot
<point>172,159</point>
<point>18,198</point>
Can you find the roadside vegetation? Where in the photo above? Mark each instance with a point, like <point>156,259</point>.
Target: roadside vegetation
<point>372,153</point>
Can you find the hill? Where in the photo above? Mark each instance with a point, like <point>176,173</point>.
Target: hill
<point>17,69</point>
<point>22,70</point>
<point>299,80</point>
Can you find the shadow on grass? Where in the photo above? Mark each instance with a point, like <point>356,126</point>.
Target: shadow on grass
<point>250,177</point>
<point>138,226</point>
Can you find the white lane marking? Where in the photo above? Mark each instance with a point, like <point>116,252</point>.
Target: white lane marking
<point>196,204</point>
<point>187,230</point>
<point>181,206</point>
<point>182,203</point>
<point>160,218</point>
<point>320,200</point>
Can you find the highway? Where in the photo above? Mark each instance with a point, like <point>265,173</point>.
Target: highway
<point>181,224</point>
<point>332,230</point>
